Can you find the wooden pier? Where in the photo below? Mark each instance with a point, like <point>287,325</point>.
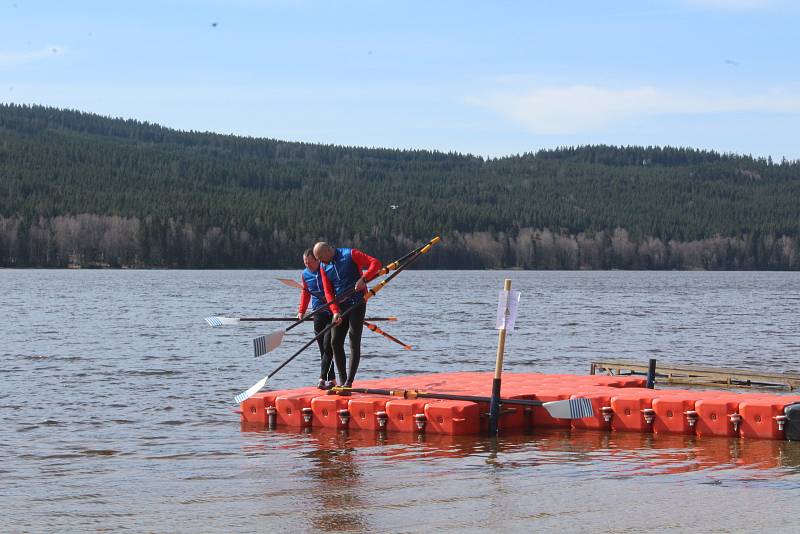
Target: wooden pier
<point>706,376</point>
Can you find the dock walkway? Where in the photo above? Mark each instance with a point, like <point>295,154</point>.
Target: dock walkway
<point>707,376</point>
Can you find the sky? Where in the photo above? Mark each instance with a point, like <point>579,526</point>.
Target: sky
<point>490,78</point>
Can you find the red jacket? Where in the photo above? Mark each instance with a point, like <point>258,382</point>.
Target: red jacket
<point>366,263</point>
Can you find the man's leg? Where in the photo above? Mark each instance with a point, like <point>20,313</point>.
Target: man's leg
<point>321,321</point>
<point>356,327</point>
<point>338,333</point>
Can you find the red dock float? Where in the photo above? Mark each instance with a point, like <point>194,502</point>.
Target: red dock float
<point>619,403</point>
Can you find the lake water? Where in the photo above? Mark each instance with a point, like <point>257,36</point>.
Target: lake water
<point>116,406</point>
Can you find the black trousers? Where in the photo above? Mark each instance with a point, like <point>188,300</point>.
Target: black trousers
<point>353,324</point>
<point>321,321</point>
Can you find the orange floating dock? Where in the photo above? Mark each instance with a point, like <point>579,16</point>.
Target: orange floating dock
<point>620,403</point>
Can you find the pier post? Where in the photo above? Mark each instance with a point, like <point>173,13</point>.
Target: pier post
<point>494,405</point>
<point>651,374</point>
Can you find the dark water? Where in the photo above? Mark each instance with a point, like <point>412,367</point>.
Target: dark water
<point>116,399</point>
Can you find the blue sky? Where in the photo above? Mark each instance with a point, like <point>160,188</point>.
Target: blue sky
<point>487,78</point>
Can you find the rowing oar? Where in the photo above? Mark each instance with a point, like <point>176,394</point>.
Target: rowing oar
<point>298,285</point>
<point>270,342</point>
<point>577,408</point>
<point>392,266</point>
<point>241,397</point>
<point>227,321</point>
<point>384,334</point>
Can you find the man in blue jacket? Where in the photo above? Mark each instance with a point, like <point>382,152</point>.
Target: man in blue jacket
<point>345,275</point>
<point>314,292</point>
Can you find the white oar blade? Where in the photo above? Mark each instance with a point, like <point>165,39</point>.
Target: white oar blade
<point>570,409</point>
<point>222,321</point>
<point>255,388</point>
<point>268,343</point>
<point>290,283</point>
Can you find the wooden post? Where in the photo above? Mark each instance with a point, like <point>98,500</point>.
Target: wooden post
<point>494,405</point>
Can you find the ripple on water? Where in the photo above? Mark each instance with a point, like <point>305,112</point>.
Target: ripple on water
<point>98,441</point>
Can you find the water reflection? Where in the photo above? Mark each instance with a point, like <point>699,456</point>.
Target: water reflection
<point>333,454</point>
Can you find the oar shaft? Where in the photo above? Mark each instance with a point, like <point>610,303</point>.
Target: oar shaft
<point>397,262</point>
<point>374,291</point>
<point>414,394</point>
<point>308,318</point>
<point>384,334</point>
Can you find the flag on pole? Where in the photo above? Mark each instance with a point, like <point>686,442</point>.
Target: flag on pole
<point>507,310</point>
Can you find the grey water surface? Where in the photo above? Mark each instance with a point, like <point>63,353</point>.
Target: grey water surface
<point>116,404</point>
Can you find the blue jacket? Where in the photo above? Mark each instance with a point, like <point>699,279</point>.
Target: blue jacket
<point>343,273</point>
<point>313,281</point>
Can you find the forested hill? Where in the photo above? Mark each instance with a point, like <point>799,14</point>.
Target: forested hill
<point>81,189</point>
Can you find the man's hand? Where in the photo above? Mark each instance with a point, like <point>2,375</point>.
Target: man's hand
<point>361,285</point>
<point>299,316</point>
<point>337,319</point>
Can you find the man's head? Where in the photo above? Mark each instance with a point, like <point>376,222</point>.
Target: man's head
<point>310,261</point>
<point>324,252</point>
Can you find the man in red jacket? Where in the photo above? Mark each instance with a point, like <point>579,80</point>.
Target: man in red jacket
<point>346,272</point>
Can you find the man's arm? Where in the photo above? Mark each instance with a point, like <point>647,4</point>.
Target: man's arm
<point>305,297</point>
<point>365,263</point>
<point>330,294</point>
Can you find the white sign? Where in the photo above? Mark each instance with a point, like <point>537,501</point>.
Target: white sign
<point>507,309</point>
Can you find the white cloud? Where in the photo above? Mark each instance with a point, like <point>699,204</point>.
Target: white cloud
<point>734,5</point>
<point>21,58</point>
<point>585,108</point>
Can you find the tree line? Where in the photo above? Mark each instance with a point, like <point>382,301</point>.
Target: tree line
<point>78,189</point>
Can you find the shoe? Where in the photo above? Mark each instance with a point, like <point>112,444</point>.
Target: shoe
<point>330,384</point>
<point>322,385</point>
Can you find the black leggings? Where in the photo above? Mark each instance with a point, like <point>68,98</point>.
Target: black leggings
<point>321,321</point>
<point>354,323</point>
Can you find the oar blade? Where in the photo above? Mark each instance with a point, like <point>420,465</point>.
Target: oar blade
<point>268,343</point>
<point>255,388</point>
<point>577,408</point>
<point>222,321</point>
<point>291,283</point>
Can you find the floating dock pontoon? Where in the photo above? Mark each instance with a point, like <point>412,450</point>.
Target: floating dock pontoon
<point>619,403</point>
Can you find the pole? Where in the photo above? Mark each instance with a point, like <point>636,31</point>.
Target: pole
<point>494,405</point>
<point>651,374</point>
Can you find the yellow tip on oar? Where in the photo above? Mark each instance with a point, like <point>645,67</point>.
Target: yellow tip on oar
<point>432,242</point>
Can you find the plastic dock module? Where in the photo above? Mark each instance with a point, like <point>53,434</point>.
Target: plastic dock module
<point>452,417</point>
<point>368,413</point>
<point>327,411</point>
<point>618,403</point>
<point>401,414</point>
<point>290,408</point>
<point>764,417</point>
<point>675,413</point>
<point>633,410</point>
<point>718,415</point>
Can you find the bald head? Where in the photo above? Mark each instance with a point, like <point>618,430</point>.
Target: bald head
<point>324,252</point>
